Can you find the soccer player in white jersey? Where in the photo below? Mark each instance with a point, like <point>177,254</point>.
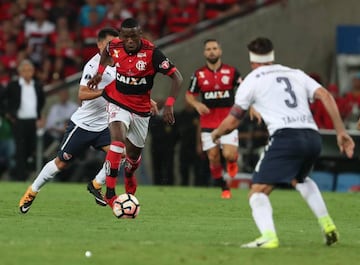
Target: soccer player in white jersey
<point>281,95</point>
<point>88,127</point>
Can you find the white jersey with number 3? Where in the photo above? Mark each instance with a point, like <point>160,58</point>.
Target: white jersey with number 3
<point>92,114</point>
<point>281,95</point>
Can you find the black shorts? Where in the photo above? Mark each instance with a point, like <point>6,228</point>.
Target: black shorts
<point>77,140</point>
<point>290,154</point>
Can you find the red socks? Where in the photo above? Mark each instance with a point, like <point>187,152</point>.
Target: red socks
<point>131,166</point>
<point>113,158</point>
<point>216,171</point>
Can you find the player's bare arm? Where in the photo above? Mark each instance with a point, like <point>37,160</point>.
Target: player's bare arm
<point>200,107</point>
<point>177,80</point>
<point>344,140</point>
<point>254,115</point>
<point>154,108</point>
<point>231,122</point>
<point>85,93</point>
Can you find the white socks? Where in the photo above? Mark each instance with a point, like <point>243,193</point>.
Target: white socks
<point>311,194</point>
<point>47,173</point>
<point>262,213</point>
<point>101,176</point>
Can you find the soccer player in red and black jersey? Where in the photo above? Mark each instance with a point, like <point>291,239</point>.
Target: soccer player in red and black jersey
<point>137,61</point>
<point>215,84</point>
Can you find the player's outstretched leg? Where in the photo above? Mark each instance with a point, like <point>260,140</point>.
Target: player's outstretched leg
<point>262,214</point>
<point>312,195</point>
<point>46,174</point>
<point>216,174</point>
<point>27,199</point>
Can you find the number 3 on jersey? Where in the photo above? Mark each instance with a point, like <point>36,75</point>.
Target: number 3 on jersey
<point>293,102</point>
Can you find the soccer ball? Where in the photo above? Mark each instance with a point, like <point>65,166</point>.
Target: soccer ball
<point>126,206</point>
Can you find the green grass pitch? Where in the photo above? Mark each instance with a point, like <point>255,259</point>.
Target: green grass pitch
<point>176,226</point>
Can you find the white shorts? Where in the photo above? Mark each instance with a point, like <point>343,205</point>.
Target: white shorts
<point>231,139</point>
<point>137,126</point>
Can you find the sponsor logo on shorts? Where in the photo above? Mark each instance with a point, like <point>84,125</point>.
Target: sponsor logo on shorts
<point>67,156</point>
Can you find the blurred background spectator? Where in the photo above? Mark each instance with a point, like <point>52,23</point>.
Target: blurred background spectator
<point>37,30</point>
<point>7,146</point>
<point>162,148</point>
<point>87,11</point>
<point>23,102</point>
<point>56,122</point>
<point>351,103</point>
<point>193,164</point>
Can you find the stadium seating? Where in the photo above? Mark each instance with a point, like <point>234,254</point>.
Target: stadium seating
<point>347,180</point>
<point>324,180</point>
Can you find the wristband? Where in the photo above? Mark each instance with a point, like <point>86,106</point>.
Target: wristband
<point>170,101</point>
<point>101,69</point>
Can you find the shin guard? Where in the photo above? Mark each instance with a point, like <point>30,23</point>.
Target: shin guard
<point>113,158</point>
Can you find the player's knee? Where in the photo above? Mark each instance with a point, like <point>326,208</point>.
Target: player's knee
<point>61,165</point>
<point>260,188</point>
<point>230,155</point>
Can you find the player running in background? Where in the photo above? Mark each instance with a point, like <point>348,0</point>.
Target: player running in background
<point>88,127</point>
<point>215,83</point>
<point>137,61</point>
<point>280,94</point>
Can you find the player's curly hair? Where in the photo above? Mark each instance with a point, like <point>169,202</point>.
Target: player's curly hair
<point>130,23</point>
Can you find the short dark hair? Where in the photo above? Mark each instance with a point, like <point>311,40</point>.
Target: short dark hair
<point>129,23</point>
<point>103,33</point>
<point>260,46</point>
<point>210,40</point>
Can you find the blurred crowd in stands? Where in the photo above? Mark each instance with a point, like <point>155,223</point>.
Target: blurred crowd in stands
<point>348,103</point>
<point>60,35</point>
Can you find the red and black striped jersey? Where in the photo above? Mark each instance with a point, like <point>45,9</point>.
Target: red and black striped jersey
<point>135,74</point>
<point>217,92</point>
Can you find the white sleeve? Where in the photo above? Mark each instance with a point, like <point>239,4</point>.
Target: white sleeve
<point>244,93</point>
<point>89,71</point>
<point>311,85</point>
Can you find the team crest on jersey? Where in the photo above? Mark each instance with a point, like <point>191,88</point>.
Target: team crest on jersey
<point>225,80</point>
<point>141,65</point>
<point>201,74</point>
<point>67,156</point>
<point>135,81</point>
<point>165,64</point>
<point>216,94</point>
